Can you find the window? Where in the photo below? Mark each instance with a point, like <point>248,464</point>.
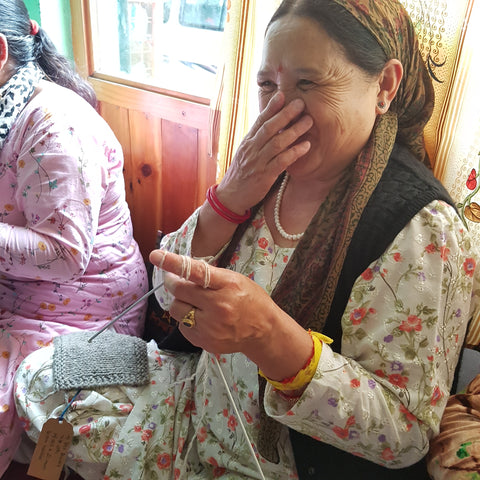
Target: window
<point>209,14</point>
<point>175,45</point>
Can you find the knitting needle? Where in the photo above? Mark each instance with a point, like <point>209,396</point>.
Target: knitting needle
<point>125,311</point>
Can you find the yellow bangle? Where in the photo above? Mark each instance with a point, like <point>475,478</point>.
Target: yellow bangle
<point>305,375</point>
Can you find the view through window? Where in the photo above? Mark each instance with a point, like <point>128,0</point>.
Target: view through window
<point>171,44</point>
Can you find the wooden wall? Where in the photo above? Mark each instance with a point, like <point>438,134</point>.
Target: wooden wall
<point>167,165</point>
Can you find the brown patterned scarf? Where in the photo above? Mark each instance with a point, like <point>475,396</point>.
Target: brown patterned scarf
<point>307,287</point>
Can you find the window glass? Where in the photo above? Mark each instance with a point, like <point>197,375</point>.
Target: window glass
<point>208,14</point>
<point>167,6</point>
<point>171,44</point>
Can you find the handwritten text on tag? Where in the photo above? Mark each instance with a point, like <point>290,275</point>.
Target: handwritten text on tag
<point>51,450</point>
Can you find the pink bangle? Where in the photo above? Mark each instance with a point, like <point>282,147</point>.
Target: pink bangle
<point>222,210</point>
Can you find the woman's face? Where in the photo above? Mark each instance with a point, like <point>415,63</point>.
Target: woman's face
<point>303,62</point>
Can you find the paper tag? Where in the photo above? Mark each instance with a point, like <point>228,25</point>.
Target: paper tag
<point>51,450</point>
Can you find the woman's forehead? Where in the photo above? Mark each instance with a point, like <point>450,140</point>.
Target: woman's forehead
<point>299,41</point>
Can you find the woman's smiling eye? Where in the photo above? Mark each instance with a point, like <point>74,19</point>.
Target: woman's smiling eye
<point>266,85</point>
<point>304,83</point>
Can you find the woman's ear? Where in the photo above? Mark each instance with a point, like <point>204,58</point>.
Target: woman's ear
<point>389,81</point>
<point>3,51</point>
<point>5,64</point>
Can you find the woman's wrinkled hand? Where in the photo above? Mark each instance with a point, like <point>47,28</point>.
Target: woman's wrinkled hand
<point>267,150</point>
<point>231,312</point>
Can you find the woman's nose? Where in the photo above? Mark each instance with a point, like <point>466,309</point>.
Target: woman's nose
<point>289,93</point>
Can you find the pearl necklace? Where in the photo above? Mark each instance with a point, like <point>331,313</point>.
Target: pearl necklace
<point>276,213</point>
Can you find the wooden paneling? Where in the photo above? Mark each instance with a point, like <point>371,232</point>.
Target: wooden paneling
<point>144,176</point>
<point>167,167</point>
<point>180,167</point>
<point>167,170</point>
<point>174,109</point>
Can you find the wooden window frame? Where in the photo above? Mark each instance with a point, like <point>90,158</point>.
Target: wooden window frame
<point>84,58</point>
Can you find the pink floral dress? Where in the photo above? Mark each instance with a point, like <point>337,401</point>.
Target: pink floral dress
<point>381,398</point>
<point>68,260</point>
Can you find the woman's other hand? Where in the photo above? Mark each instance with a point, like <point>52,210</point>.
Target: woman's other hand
<point>271,145</point>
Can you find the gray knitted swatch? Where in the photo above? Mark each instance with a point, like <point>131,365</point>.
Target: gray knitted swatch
<point>109,359</point>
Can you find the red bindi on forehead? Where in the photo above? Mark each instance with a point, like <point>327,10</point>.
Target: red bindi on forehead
<point>280,68</point>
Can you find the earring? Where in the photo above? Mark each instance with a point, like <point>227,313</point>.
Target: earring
<point>381,104</point>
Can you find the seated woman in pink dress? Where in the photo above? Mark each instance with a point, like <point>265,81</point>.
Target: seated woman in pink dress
<point>68,259</point>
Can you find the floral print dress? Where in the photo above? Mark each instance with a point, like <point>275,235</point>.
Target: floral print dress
<point>382,398</point>
<point>68,259</point>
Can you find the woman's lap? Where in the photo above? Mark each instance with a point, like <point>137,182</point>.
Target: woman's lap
<point>36,402</point>
<point>101,419</point>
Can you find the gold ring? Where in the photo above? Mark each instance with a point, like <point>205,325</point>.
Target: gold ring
<point>189,319</point>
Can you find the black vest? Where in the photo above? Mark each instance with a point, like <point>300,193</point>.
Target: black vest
<point>405,188</point>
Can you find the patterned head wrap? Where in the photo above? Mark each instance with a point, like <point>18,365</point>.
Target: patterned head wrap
<point>391,26</point>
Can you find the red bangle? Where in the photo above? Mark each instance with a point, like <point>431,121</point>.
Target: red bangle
<point>222,210</point>
<point>307,363</point>
<point>289,398</point>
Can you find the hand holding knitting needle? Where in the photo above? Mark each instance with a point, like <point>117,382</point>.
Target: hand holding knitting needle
<point>197,276</point>
<point>231,313</point>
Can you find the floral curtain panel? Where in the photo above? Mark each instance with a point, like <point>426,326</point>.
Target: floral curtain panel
<point>449,37</point>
